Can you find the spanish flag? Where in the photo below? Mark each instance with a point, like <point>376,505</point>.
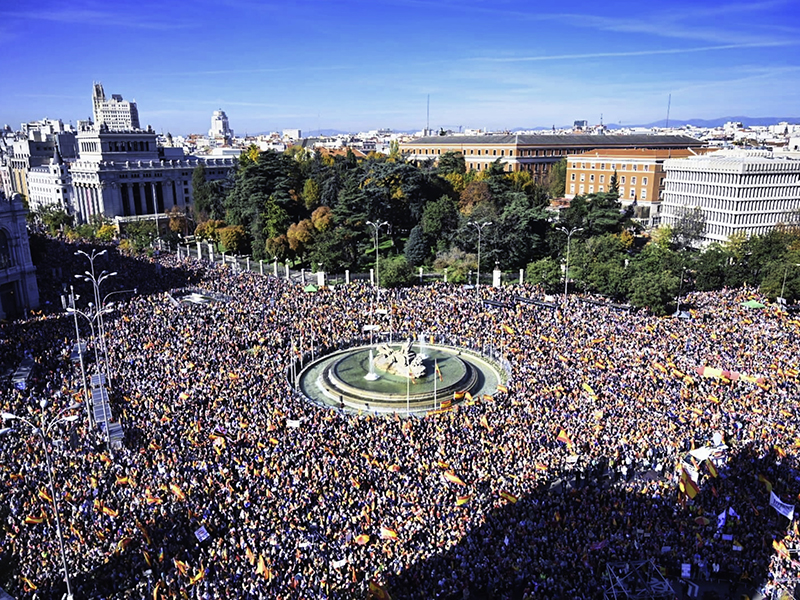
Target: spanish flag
<point>200,575</point>
<point>461,500</point>
<point>177,491</point>
<point>440,463</point>
<point>362,539</point>
<point>502,388</point>
<point>564,438</point>
<point>508,496</point>
<point>587,388</point>
<point>445,404</point>
<point>766,482</point>
<point>541,467</point>
<point>378,592</point>
<point>712,470</point>
<point>45,496</point>
<point>182,567</point>
<point>438,372</point>
<point>123,480</point>
<point>110,511</point>
<point>356,484</point>
<point>29,520</point>
<point>29,585</point>
<point>507,329</point>
<point>687,484</point>
<point>780,547</point>
<point>261,569</point>
<point>453,478</point>
<point>388,534</point>
<point>148,496</point>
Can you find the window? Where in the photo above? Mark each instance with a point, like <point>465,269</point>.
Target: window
<point>644,180</point>
<point>633,193</point>
<point>593,165</point>
<point>573,177</point>
<point>633,180</point>
<point>602,178</point>
<point>583,176</point>
<point>622,192</point>
<point>644,194</point>
<point>613,167</point>
<point>583,165</point>
<point>591,189</point>
<point>502,152</point>
<point>494,152</point>
<point>623,179</point>
<point>634,167</point>
<point>646,168</point>
<point>582,188</point>
<point>602,188</point>
<point>591,177</point>
<point>571,188</point>
<point>602,166</point>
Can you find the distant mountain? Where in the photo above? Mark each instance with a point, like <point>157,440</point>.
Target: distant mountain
<point>710,123</point>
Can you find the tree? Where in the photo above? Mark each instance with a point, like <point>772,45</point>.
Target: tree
<point>440,220</point>
<point>452,162</point>
<point>301,237</point>
<point>545,272</point>
<point>557,180</point>
<point>475,194</point>
<point>311,193</point>
<point>613,185</point>
<point>689,228</point>
<point>233,239</point>
<point>140,234</point>
<point>54,218</point>
<point>106,232</point>
<point>395,272</point>
<point>417,248</point>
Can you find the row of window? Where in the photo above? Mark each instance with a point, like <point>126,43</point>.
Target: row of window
<point>491,152</point>
<point>601,188</point>
<point>613,166</point>
<point>603,178</point>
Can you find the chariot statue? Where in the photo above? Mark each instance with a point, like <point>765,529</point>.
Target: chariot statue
<point>403,361</point>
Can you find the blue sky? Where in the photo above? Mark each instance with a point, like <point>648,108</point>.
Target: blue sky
<point>356,65</point>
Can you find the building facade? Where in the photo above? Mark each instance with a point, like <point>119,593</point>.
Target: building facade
<point>739,191</point>
<point>220,128</point>
<point>640,176</point>
<point>126,174</point>
<point>533,153</point>
<point>49,185</point>
<point>18,289</point>
<point>115,114</point>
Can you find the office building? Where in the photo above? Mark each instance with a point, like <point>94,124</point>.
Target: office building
<point>739,191</point>
<point>114,114</point>
<point>18,289</point>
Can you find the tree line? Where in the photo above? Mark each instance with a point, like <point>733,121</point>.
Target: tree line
<point>310,209</point>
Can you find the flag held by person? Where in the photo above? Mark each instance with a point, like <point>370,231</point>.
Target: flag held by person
<point>453,478</point>
<point>462,500</point>
<point>508,496</point>
<point>687,484</point>
<point>564,438</point>
<point>388,534</point>
<point>377,592</point>
<point>438,371</point>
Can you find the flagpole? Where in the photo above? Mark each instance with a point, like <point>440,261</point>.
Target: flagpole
<point>435,377</point>
<point>408,393</point>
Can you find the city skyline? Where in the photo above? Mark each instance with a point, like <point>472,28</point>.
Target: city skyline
<point>356,66</point>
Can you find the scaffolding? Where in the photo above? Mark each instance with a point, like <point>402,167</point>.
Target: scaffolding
<point>637,580</point>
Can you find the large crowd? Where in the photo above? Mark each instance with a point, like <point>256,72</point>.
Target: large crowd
<point>574,466</point>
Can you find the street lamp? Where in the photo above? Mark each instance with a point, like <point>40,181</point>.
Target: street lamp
<point>568,233</point>
<point>479,227</point>
<point>377,228</point>
<point>80,353</point>
<point>96,282</point>
<point>43,433</point>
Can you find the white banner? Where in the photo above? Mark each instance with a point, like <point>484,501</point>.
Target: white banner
<point>338,564</point>
<point>787,510</point>
<point>721,519</point>
<point>292,423</point>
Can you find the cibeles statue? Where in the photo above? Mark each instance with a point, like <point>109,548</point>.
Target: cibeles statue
<point>403,361</point>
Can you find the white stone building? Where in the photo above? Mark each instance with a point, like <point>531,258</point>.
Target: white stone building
<point>18,288</point>
<point>49,185</point>
<point>126,174</point>
<point>220,129</point>
<point>739,191</point>
<point>115,114</point>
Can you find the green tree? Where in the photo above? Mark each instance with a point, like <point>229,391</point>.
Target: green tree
<point>54,218</point>
<point>417,248</point>
<point>452,162</point>
<point>140,235</point>
<point>613,185</point>
<point>440,220</point>
<point>395,272</point>
<point>545,272</point>
<point>557,180</point>
<point>311,194</point>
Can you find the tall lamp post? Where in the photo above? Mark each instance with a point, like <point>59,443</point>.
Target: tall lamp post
<point>377,228</point>
<point>96,282</point>
<point>568,233</point>
<point>80,354</point>
<point>479,227</point>
<point>43,433</point>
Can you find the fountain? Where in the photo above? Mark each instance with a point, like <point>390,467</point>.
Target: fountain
<point>392,378</point>
<point>421,342</point>
<point>371,375</point>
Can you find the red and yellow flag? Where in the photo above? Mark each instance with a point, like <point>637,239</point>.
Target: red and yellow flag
<point>177,491</point>
<point>377,592</point>
<point>502,388</point>
<point>462,500</point>
<point>453,478</point>
<point>45,496</point>
<point>438,372</point>
<point>362,539</point>
<point>712,470</point>
<point>687,484</point>
<point>564,438</point>
<point>508,496</point>
<point>388,534</point>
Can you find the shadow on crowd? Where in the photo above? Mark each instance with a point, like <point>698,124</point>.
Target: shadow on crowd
<point>557,541</point>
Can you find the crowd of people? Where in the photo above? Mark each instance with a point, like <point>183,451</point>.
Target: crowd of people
<point>530,492</point>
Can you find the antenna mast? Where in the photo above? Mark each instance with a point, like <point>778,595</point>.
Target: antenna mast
<point>428,116</point>
<point>669,104</point>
